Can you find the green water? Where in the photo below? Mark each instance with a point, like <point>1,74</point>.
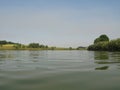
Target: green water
<point>59,70</point>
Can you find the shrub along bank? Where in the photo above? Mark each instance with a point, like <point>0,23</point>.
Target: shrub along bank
<point>105,45</point>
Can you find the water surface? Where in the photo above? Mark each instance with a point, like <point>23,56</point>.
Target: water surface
<point>59,70</point>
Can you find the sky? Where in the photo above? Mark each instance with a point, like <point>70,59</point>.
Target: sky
<point>62,23</point>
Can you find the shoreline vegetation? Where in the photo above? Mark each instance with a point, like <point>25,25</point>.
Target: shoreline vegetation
<point>102,43</point>
<point>8,45</point>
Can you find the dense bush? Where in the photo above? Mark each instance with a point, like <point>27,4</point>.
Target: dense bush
<point>105,44</point>
<point>114,45</point>
<point>99,46</point>
<point>34,45</point>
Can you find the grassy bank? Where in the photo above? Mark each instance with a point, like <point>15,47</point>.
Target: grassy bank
<point>25,47</point>
<point>8,45</point>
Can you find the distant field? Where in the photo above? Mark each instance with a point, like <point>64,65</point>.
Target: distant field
<point>13,47</point>
<point>7,46</point>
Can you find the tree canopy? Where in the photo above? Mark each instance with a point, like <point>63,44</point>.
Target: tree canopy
<point>34,45</point>
<point>102,43</point>
<point>101,38</point>
<point>2,42</point>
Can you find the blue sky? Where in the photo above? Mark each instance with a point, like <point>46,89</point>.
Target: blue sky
<point>59,22</point>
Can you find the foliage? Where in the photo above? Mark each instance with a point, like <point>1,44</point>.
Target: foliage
<point>70,48</point>
<point>113,45</point>
<point>46,46</point>
<point>37,45</point>
<point>7,45</point>
<point>80,48</point>
<point>53,48</point>
<point>3,42</point>
<point>99,46</point>
<point>34,45</point>
<point>101,38</point>
<point>18,46</point>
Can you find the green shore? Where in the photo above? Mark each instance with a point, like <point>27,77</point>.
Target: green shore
<point>15,47</point>
<point>8,45</point>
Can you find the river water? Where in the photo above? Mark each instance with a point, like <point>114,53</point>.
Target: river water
<point>59,70</point>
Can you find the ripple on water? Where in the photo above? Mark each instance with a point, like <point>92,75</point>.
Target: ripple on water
<point>59,70</point>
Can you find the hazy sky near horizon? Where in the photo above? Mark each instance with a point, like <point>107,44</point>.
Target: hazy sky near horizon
<point>59,22</point>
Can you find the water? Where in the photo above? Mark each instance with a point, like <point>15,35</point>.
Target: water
<point>59,70</point>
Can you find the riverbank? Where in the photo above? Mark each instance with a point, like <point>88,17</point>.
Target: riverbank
<point>11,47</point>
<point>8,45</point>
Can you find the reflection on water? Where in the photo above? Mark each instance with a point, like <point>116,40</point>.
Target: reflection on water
<point>5,54</point>
<point>101,55</point>
<point>59,70</point>
<point>115,56</point>
<point>102,68</point>
<point>107,58</point>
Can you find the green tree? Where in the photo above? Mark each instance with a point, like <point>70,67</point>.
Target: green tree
<point>53,48</point>
<point>70,48</point>
<point>41,46</point>
<point>34,45</point>
<point>104,37</point>
<point>17,46</point>
<point>46,46</point>
<point>114,45</point>
<point>3,42</point>
<point>103,44</point>
<point>101,38</point>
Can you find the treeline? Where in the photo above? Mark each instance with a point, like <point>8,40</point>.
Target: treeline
<point>102,43</point>
<point>37,45</point>
<point>3,42</point>
<point>9,44</point>
<point>4,45</point>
